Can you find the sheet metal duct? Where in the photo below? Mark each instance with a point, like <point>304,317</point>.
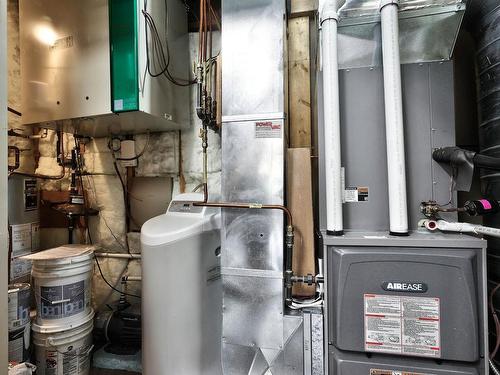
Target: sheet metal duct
<point>419,23</point>
<point>256,334</point>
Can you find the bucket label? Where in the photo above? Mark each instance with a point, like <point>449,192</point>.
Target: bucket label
<point>16,349</point>
<point>51,363</point>
<point>76,361</point>
<point>62,301</point>
<point>402,325</point>
<point>19,268</point>
<point>19,308</point>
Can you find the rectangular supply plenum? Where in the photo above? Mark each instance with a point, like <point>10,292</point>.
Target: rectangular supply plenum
<point>419,298</point>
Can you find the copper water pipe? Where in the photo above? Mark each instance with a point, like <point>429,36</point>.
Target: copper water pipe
<point>205,202</point>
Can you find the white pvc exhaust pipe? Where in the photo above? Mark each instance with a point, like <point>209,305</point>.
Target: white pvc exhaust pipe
<point>331,117</point>
<point>396,167</point>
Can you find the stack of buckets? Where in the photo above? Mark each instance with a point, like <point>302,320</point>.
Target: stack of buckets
<point>62,333</point>
<point>19,323</point>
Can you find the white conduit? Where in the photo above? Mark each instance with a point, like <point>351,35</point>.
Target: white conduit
<point>445,226</point>
<point>118,255</point>
<point>396,168</point>
<point>331,113</point>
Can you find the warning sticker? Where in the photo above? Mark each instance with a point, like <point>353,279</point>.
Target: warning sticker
<point>268,129</point>
<point>356,194</point>
<point>402,325</point>
<point>392,372</point>
<point>25,238</point>
<point>21,239</point>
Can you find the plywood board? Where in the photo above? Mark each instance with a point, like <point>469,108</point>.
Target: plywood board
<point>300,202</point>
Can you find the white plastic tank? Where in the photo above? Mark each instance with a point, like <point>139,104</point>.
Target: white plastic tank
<point>181,290</point>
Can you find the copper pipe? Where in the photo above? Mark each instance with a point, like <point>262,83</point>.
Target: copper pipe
<point>205,202</point>
<point>200,34</point>
<point>246,206</point>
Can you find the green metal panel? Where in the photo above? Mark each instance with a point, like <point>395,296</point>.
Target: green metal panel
<point>124,52</point>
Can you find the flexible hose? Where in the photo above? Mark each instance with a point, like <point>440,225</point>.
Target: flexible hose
<point>488,162</point>
<point>493,367</point>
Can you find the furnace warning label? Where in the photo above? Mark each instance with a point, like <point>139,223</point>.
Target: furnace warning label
<point>392,372</point>
<point>402,325</point>
<point>355,194</point>
<point>268,129</point>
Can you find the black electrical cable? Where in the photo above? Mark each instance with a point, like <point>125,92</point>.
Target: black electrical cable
<point>86,218</point>
<point>111,286</point>
<point>157,62</point>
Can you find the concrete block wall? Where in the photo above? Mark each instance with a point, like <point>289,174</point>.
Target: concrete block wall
<point>167,155</point>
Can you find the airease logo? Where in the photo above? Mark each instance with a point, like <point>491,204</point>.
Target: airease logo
<point>402,286</point>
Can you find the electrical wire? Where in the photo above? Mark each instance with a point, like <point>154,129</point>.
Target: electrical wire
<point>111,286</point>
<point>158,57</point>
<point>95,258</point>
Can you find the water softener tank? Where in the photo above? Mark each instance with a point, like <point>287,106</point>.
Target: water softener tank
<point>181,290</point>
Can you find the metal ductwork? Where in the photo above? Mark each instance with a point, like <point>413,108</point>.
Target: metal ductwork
<point>256,334</point>
<point>419,23</point>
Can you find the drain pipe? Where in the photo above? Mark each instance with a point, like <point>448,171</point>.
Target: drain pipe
<point>394,128</point>
<point>331,114</point>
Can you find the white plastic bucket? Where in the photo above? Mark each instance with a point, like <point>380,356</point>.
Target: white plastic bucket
<point>19,305</point>
<point>64,349</point>
<point>62,283</point>
<point>19,344</point>
<point>22,369</point>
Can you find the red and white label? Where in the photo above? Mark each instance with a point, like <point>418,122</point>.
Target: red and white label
<point>268,129</point>
<point>402,325</point>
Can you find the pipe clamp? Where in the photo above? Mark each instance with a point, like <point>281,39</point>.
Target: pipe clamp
<point>329,14</point>
<point>383,3</point>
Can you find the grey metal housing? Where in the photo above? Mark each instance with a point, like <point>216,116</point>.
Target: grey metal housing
<point>453,267</point>
<point>428,100</point>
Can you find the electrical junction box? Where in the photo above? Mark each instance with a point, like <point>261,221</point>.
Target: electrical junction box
<point>84,66</point>
<point>406,304</point>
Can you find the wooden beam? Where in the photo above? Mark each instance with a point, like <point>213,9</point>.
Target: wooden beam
<point>299,8</point>
<point>300,202</point>
<point>299,82</point>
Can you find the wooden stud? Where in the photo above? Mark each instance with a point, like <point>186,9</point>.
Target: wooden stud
<point>299,81</point>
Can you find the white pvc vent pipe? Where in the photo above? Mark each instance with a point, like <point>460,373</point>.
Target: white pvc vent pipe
<point>398,210</point>
<point>331,114</point>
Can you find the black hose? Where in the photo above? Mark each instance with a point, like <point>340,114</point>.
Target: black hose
<point>487,162</point>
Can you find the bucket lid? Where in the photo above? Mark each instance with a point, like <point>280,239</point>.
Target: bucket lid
<point>54,328</point>
<point>14,288</point>
<point>66,254</point>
